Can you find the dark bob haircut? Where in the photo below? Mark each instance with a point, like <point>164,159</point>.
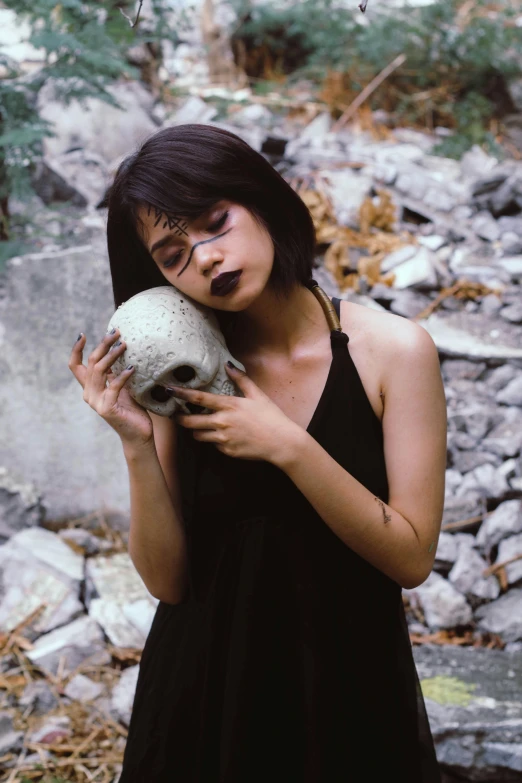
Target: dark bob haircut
<point>184,170</point>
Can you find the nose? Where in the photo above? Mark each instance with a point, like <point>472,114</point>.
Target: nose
<point>206,254</point>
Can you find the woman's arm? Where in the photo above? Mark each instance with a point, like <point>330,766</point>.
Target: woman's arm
<point>399,538</point>
<point>157,541</point>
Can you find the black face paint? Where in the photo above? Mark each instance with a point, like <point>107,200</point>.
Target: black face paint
<point>203,242</point>
<point>174,222</point>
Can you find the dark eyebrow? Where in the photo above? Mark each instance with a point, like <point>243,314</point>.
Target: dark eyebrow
<point>162,242</point>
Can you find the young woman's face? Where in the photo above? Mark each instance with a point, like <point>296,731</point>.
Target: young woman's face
<point>223,259</point>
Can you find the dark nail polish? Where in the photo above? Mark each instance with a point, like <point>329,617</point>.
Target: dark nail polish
<point>113,330</point>
<point>130,367</point>
<point>232,365</point>
<point>118,343</point>
<point>79,336</point>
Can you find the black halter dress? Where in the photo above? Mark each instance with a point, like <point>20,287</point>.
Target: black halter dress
<point>290,660</point>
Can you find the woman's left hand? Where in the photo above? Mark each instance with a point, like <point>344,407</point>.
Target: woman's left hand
<point>249,427</point>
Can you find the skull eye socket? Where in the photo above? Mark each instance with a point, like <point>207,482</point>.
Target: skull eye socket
<point>159,394</point>
<point>184,373</point>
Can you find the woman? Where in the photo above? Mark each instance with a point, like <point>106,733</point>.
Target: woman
<point>277,530</point>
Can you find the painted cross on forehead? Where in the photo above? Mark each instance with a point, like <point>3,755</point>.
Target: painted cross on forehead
<point>179,225</point>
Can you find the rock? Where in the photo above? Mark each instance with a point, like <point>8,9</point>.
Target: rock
<point>473,698</point>
<point>442,604</point>
<point>123,694</point>
<point>51,730</point>
<point>467,575</point>
<point>82,688</point>
<point>465,461</point>
<point>71,644</point>
<point>506,438</point>
<point>475,162</point>
<point>10,740</point>
<point>499,377</point>
<point>256,113</point>
<point>96,126</point>
<point>347,191</point>
<point>512,313</point>
<point>194,110</point>
<point>457,509</point>
<point>504,521</point>
<point>38,569</point>
<point>491,305</point>
<point>446,552</point>
<point>51,184</point>
<point>509,548</point>
<point>485,226</point>
<point>393,260</point>
<point>20,505</point>
<point>85,171</point>
<point>486,479</point>
<point>454,341</point>
<point>417,271</point>
<point>511,243</point>
<point>39,697</point>
<point>512,265</point>
<point>503,616</point>
<point>408,303</point>
<point>453,481</point>
<point>511,394</point>
<point>433,242</point>
<point>458,369</point>
<point>91,544</point>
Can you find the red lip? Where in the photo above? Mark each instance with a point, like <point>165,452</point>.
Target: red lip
<point>225,282</point>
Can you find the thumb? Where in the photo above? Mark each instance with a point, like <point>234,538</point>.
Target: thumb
<point>246,384</point>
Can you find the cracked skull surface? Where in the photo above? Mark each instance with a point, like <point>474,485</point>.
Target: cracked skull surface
<point>171,341</point>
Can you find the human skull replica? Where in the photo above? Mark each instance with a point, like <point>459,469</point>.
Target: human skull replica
<point>171,340</point>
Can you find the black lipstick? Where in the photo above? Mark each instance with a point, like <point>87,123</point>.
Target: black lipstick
<point>224,283</point>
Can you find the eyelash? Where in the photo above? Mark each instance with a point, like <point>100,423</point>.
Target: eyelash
<point>219,223</point>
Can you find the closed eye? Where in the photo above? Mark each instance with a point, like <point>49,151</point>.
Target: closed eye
<point>219,223</point>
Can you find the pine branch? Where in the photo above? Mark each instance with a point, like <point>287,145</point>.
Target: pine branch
<point>134,24</point>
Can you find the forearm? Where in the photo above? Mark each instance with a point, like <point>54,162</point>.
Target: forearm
<point>366,524</point>
<point>157,541</point>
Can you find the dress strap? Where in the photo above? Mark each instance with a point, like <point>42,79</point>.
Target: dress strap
<point>331,309</point>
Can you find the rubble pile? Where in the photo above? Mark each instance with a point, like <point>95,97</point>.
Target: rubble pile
<point>399,229</point>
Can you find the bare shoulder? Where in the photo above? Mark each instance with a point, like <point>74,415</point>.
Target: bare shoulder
<point>383,344</point>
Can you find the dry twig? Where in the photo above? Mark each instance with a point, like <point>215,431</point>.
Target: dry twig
<point>133,24</point>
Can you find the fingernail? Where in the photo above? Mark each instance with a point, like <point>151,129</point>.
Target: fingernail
<point>113,330</point>
<point>118,343</point>
<point>232,365</point>
<point>130,367</point>
<point>79,336</point>
<point>173,390</point>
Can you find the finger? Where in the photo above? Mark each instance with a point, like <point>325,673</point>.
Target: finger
<point>116,384</point>
<point>205,399</point>
<point>199,421</point>
<point>103,347</point>
<point>76,365</point>
<point>100,369</point>
<point>243,382</point>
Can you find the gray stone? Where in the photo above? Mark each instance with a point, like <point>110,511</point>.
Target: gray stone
<point>194,110</point>
<point>446,550</point>
<point>82,688</point>
<point>503,616</point>
<point>123,694</point>
<point>20,505</point>
<point>509,548</point>
<point>511,243</point>
<point>408,303</point>
<point>443,606</point>
<point>417,271</point>
<point>499,377</point>
<point>474,702</point>
<point>392,260</point>
<point>75,461</point>
<point>458,369</point>
<point>512,313</point>
<point>52,185</point>
<point>433,242</point>
<point>96,126</point>
<point>511,394</point>
<point>467,575</point>
<point>10,740</point>
<point>486,479</point>
<point>485,226</point>
<point>465,461</point>
<point>69,646</point>
<point>347,191</point>
<point>54,728</point>
<point>457,509</point>
<point>504,521</point>
<point>38,697</point>
<point>472,341</point>
<point>512,265</point>
<point>506,437</point>
<point>490,304</point>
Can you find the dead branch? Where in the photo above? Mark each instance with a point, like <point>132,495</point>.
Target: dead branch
<point>135,23</point>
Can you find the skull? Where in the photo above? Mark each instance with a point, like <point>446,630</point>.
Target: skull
<point>171,340</point>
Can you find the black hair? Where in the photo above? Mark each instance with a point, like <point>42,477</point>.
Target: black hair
<point>185,170</point>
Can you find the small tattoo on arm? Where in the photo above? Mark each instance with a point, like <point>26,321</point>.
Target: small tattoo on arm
<point>431,546</point>
<point>386,517</point>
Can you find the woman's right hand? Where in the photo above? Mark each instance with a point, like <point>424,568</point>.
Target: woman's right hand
<point>106,392</point>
